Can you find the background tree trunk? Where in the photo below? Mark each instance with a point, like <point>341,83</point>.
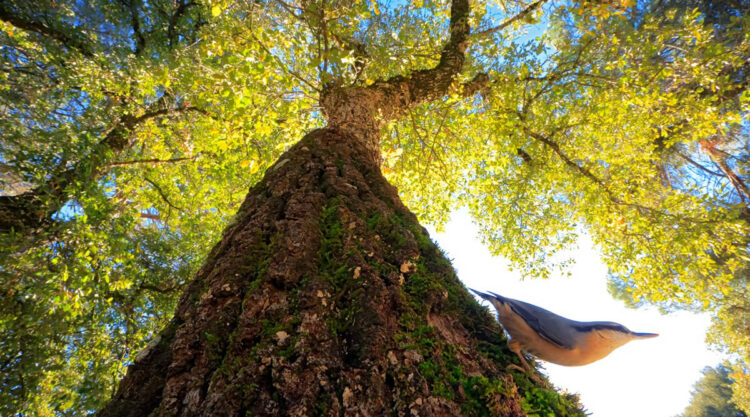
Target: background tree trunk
<point>325,297</point>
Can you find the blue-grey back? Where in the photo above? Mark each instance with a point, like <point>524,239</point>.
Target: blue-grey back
<point>552,327</point>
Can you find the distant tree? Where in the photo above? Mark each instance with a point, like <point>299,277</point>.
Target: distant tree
<point>712,395</point>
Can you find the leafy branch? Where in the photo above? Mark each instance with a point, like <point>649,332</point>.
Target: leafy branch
<point>163,195</point>
<point>547,140</point>
<point>33,209</point>
<point>153,161</point>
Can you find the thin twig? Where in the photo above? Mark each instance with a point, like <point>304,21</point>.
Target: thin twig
<point>289,9</point>
<point>163,196</point>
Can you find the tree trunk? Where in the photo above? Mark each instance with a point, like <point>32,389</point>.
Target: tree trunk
<point>325,297</point>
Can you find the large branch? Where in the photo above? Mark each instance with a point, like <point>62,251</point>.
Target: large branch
<point>33,210</point>
<point>394,95</point>
<point>431,84</point>
<point>140,41</point>
<point>66,40</point>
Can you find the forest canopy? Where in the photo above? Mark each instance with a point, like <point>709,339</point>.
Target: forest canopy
<point>131,131</point>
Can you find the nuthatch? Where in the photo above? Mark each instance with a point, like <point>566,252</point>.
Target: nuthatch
<point>554,338</point>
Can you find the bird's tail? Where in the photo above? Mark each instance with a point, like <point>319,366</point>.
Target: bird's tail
<point>487,296</point>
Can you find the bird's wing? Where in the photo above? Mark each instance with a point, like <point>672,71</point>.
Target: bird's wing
<point>547,324</point>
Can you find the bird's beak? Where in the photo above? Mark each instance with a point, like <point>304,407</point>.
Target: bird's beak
<point>481,294</point>
<point>644,335</point>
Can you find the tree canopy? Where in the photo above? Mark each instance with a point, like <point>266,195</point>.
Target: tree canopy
<point>131,130</point>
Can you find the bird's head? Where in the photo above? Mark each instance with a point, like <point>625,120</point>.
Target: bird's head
<point>616,335</point>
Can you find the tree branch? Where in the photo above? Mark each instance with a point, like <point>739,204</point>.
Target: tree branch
<point>175,18</point>
<point>588,174</point>
<point>140,41</point>
<point>33,209</point>
<point>153,217</point>
<point>720,160</point>
<point>152,161</point>
<point>70,42</point>
<point>525,12</point>
<point>699,166</point>
<point>290,9</point>
<point>524,155</point>
<point>478,84</point>
<point>434,83</point>
<point>160,290</point>
<point>291,72</point>
<point>569,162</point>
<point>356,108</point>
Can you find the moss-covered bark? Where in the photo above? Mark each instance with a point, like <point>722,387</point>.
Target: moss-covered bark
<point>326,298</point>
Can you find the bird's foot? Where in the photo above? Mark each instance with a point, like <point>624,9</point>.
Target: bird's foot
<point>528,372</point>
<point>517,368</point>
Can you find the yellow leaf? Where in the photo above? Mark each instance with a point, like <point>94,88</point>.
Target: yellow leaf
<point>215,11</point>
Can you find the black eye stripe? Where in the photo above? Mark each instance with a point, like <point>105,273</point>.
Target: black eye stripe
<point>587,327</point>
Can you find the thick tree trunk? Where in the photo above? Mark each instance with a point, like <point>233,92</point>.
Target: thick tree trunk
<point>324,297</point>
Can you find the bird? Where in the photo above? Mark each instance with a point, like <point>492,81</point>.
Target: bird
<point>554,338</point>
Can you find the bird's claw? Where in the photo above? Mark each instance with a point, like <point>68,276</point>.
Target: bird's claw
<point>528,372</point>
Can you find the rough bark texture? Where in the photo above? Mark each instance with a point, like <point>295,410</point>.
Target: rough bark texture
<point>325,297</point>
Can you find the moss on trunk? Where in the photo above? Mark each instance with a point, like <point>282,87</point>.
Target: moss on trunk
<point>325,297</point>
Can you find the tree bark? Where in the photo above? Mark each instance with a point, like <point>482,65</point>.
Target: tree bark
<point>324,297</point>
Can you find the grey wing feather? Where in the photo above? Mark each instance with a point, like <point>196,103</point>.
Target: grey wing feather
<point>547,324</point>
